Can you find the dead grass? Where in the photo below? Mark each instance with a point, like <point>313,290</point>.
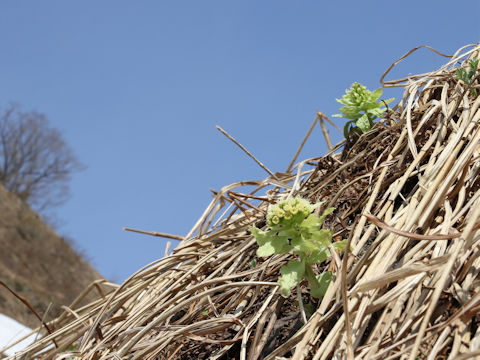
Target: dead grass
<point>37,264</point>
<point>408,289</point>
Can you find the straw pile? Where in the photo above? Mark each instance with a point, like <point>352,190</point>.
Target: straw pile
<point>408,288</point>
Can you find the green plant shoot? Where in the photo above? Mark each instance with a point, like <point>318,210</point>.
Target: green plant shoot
<point>467,75</point>
<point>293,227</point>
<point>361,107</point>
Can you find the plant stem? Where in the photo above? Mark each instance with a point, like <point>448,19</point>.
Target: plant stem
<point>300,304</point>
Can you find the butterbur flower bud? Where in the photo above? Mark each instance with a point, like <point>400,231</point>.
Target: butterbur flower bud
<point>359,94</point>
<point>288,211</point>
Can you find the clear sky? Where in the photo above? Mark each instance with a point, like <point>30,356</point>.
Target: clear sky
<point>137,88</point>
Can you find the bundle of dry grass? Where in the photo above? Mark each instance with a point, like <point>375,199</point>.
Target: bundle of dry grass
<point>408,288</point>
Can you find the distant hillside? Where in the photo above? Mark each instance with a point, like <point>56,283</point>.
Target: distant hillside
<point>37,263</point>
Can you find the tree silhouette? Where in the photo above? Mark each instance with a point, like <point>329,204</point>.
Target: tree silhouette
<point>35,161</point>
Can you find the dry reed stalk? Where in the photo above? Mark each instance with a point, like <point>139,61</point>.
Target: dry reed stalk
<point>409,288</point>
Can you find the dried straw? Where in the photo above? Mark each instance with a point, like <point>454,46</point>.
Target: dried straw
<point>408,289</point>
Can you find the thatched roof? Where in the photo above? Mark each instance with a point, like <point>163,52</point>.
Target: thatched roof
<point>408,288</point>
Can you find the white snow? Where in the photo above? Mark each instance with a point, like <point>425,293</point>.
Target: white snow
<point>10,331</point>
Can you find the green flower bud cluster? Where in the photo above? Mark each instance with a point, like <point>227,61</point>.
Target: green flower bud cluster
<point>468,75</point>
<point>357,96</point>
<point>294,228</point>
<point>288,211</point>
<point>361,107</point>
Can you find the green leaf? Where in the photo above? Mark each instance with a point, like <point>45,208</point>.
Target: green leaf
<point>473,64</point>
<point>318,283</point>
<point>322,237</point>
<point>323,281</point>
<point>325,214</point>
<point>261,236</point>
<point>328,211</point>
<point>376,112</point>
<point>317,205</point>
<point>347,128</point>
<point>265,250</point>
<point>281,244</point>
<point>318,256</point>
<point>376,94</point>
<point>350,112</point>
<point>462,75</point>
<point>340,245</point>
<point>312,222</point>
<point>303,245</point>
<point>269,243</point>
<point>289,232</point>
<point>363,123</point>
<point>276,245</point>
<point>292,274</point>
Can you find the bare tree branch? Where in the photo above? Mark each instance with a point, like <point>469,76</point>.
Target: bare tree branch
<point>35,161</point>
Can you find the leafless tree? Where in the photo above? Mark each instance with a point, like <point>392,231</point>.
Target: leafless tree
<point>35,161</point>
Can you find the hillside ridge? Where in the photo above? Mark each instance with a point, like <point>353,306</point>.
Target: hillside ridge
<point>36,263</point>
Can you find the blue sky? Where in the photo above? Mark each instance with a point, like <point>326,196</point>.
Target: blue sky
<point>137,88</point>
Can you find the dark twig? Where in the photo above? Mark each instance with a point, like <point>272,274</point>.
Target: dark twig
<point>30,307</point>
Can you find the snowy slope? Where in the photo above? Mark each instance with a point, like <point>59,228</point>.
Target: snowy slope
<point>10,331</point>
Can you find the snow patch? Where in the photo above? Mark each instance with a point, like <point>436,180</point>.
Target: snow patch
<point>10,331</point>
